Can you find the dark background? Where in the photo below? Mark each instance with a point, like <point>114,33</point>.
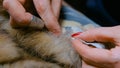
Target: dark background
<point>104,12</point>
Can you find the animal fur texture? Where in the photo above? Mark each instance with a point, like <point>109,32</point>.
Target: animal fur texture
<point>31,48</point>
<point>27,48</point>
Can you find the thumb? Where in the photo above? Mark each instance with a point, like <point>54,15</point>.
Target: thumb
<point>91,54</point>
<point>102,34</point>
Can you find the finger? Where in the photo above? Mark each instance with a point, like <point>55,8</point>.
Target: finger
<point>22,1</point>
<point>46,13</point>
<point>85,65</point>
<point>20,16</point>
<point>12,21</point>
<point>103,34</point>
<point>92,55</point>
<point>56,6</point>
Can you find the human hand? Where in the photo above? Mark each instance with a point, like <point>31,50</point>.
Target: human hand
<point>48,10</point>
<point>102,58</point>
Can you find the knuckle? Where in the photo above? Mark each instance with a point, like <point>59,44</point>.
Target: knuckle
<point>22,19</point>
<point>6,3</point>
<point>25,17</point>
<point>41,10</point>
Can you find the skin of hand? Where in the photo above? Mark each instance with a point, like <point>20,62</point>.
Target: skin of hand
<point>48,10</point>
<point>101,58</point>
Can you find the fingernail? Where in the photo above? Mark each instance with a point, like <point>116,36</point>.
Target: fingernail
<point>76,34</point>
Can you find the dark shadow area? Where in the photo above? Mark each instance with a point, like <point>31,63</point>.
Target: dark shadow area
<point>104,12</point>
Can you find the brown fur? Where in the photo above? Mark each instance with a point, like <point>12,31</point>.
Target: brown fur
<point>39,45</point>
<point>30,48</point>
